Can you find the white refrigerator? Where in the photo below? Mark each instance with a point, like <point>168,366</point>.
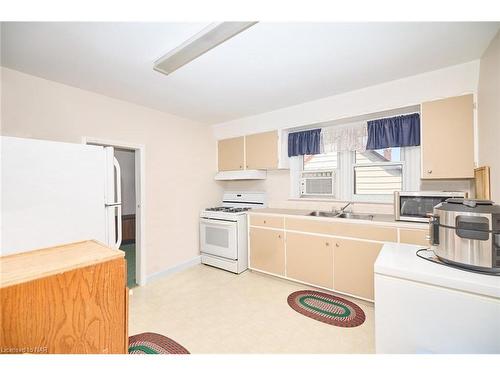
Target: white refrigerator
<point>54,193</point>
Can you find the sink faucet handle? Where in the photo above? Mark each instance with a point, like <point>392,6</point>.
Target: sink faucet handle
<point>347,205</point>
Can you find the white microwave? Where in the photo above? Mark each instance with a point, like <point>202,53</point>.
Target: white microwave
<point>317,183</point>
<point>418,205</point>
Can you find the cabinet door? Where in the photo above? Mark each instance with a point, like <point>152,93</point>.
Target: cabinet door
<point>231,154</point>
<point>353,266</point>
<point>310,259</point>
<point>267,250</point>
<point>448,138</point>
<point>262,150</point>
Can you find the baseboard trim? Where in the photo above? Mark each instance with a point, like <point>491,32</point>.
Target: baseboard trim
<point>174,269</point>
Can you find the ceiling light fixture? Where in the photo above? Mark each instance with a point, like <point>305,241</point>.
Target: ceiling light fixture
<point>202,42</point>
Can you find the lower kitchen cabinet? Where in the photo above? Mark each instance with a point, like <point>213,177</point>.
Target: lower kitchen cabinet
<point>267,250</point>
<point>414,236</point>
<point>353,266</point>
<point>310,259</point>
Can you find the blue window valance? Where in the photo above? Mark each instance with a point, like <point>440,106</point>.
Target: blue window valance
<point>304,143</point>
<point>399,131</point>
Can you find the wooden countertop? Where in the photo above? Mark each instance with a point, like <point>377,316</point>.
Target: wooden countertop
<point>22,267</point>
<point>378,219</point>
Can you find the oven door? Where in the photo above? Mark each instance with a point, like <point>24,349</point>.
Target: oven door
<point>219,238</point>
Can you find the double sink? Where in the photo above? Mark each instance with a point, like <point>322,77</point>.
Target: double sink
<point>341,215</point>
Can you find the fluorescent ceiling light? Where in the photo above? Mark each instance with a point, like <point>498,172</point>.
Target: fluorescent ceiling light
<point>204,41</point>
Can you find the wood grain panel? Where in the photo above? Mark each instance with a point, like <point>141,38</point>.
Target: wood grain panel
<point>22,267</point>
<point>267,250</point>
<point>310,259</point>
<point>447,143</point>
<point>414,236</point>
<point>262,150</point>
<point>353,267</point>
<point>127,296</point>
<point>336,228</point>
<point>267,221</point>
<point>231,154</point>
<point>78,311</point>
<point>482,183</point>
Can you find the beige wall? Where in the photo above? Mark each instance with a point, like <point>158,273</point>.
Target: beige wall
<point>180,154</point>
<point>489,113</point>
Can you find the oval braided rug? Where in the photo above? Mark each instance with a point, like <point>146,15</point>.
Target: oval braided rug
<point>154,343</point>
<point>326,308</point>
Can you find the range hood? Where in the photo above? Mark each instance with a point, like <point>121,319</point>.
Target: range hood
<point>247,174</point>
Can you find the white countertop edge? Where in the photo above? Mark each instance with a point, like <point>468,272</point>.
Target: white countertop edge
<point>400,261</point>
<point>303,214</point>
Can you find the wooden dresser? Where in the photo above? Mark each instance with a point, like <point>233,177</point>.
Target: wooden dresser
<point>65,299</point>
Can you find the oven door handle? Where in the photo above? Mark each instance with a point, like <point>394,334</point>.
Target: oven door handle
<point>222,223</point>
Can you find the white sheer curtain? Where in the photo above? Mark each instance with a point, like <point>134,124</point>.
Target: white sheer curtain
<point>352,137</point>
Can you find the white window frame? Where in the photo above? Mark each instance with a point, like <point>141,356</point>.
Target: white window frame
<point>344,179</point>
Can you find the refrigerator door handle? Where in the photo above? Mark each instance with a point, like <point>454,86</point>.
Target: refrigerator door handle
<point>118,206</point>
<point>113,204</point>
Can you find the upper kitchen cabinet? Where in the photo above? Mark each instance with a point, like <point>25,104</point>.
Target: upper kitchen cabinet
<point>448,138</point>
<point>231,154</point>
<point>262,150</point>
<point>265,151</point>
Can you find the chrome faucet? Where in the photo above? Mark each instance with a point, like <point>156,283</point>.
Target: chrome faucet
<point>344,208</point>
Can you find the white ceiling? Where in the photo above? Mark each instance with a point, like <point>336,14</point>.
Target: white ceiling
<point>269,66</point>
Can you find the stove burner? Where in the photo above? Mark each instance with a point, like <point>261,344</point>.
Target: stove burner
<point>237,209</point>
<point>232,210</point>
<point>216,209</point>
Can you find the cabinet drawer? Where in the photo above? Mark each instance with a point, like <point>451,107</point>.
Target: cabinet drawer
<point>336,228</point>
<point>414,236</point>
<point>267,221</point>
<point>267,250</point>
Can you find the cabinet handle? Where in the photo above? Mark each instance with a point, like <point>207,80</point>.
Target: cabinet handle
<point>337,245</point>
<point>265,222</point>
<point>279,235</point>
<point>241,167</point>
<point>429,171</point>
<point>327,243</point>
<point>247,166</point>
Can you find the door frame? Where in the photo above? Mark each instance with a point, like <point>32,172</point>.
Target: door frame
<point>140,199</point>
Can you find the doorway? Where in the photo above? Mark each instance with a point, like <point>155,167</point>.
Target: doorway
<point>126,160</point>
<point>130,158</point>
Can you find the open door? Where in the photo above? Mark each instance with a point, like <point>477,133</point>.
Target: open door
<point>113,202</point>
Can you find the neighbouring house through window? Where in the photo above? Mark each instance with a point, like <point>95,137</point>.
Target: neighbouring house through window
<point>378,172</point>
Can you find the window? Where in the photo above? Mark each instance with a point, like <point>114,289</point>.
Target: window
<point>318,175</point>
<point>369,176</point>
<point>378,172</point>
<point>320,162</point>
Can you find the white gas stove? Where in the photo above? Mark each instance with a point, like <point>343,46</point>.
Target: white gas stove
<point>223,231</point>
